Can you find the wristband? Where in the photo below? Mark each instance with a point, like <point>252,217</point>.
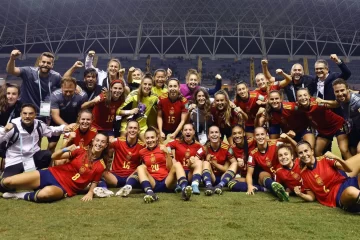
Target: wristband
<point>65,150</point>
<point>127,112</point>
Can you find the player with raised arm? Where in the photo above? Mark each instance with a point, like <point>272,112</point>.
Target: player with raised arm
<point>193,81</point>
<point>159,173</point>
<point>55,183</point>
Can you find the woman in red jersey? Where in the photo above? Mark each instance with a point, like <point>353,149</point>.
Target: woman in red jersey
<point>172,111</point>
<point>289,173</point>
<point>285,117</point>
<point>183,151</point>
<point>327,123</point>
<point>249,102</point>
<point>106,104</point>
<point>126,160</point>
<point>322,180</point>
<point>159,173</point>
<point>264,158</point>
<point>83,133</point>
<point>55,183</point>
<point>241,149</point>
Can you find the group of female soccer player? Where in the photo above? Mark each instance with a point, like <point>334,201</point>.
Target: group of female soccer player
<point>164,136</point>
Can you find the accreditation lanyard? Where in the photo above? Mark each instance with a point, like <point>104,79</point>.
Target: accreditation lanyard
<point>293,90</point>
<point>40,86</point>
<point>11,115</point>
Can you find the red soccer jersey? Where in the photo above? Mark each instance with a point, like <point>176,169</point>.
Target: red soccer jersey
<point>155,162</point>
<point>240,153</point>
<point>250,106</point>
<point>221,155</point>
<point>323,119</point>
<point>219,117</point>
<point>127,158</point>
<point>104,115</point>
<point>324,180</point>
<point>171,112</point>
<point>184,151</point>
<point>82,139</point>
<point>77,174</point>
<point>289,118</point>
<point>268,161</point>
<point>273,86</point>
<point>289,177</point>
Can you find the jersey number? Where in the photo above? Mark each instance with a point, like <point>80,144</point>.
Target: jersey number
<point>171,119</point>
<point>126,165</point>
<point>110,118</point>
<point>155,167</point>
<point>76,176</point>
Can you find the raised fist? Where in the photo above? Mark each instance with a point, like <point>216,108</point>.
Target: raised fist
<point>335,58</point>
<point>279,71</point>
<point>15,53</point>
<point>78,64</point>
<point>132,69</point>
<point>218,77</point>
<point>91,53</point>
<point>168,72</point>
<point>264,62</point>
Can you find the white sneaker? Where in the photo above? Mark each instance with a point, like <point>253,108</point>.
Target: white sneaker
<point>14,195</point>
<point>124,191</point>
<point>102,192</point>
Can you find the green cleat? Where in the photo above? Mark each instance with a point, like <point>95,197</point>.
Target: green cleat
<point>279,190</point>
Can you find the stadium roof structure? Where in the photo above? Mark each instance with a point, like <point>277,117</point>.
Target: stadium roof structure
<point>221,28</point>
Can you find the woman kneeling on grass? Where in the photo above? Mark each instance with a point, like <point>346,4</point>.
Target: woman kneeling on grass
<point>322,180</point>
<point>158,173</point>
<point>55,183</point>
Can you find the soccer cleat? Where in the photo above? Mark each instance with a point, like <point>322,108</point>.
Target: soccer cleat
<point>150,197</point>
<point>195,189</point>
<point>102,192</point>
<point>124,191</point>
<point>177,189</point>
<point>209,191</point>
<point>186,193</point>
<point>279,190</point>
<point>14,195</point>
<point>218,190</point>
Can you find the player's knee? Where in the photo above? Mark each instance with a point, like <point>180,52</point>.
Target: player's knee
<point>141,168</point>
<point>45,195</point>
<point>206,164</point>
<point>8,182</point>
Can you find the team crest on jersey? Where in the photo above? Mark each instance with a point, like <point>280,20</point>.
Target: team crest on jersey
<point>74,104</point>
<point>319,181</point>
<point>187,153</point>
<point>268,162</point>
<point>172,111</point>
<point>82,169</point>
<point>295,175</point>
<point>129,156</point>
<point>152,158</point>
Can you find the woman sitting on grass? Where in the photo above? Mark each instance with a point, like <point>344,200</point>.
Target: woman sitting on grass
<point>55,183</point>
<point>323,181</point>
